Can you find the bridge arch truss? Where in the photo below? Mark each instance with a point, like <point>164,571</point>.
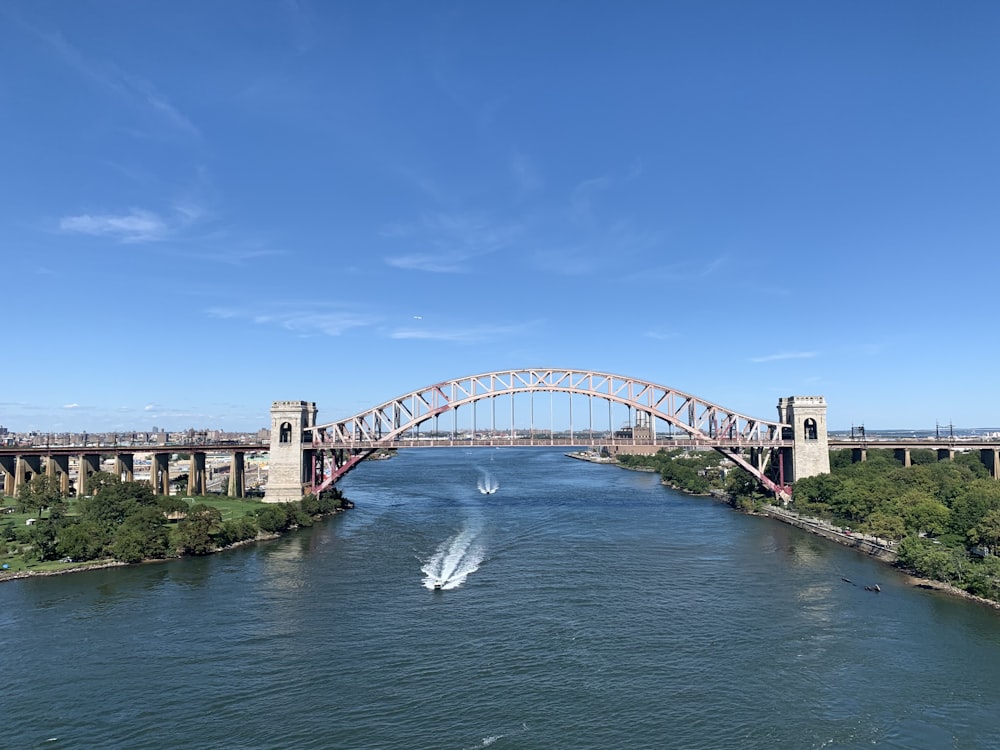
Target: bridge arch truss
<point>661,410</point>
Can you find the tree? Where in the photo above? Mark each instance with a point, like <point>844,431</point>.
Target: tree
<point>922,513</point>
<point>973,504</point>
<point>142,535</point>
<point>41,491</point>
<point>171,504</point>
<point>81,540</point>
<point>987,531</point>
<point>41,535</point>
<point>886,525</point>
<point>271,518</point>
<point>195,533</point>
<point>237,530</point>
<point>113,500</point>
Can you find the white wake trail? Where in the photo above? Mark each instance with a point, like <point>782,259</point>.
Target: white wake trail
<point>454,560</point>
<point>487,484</point>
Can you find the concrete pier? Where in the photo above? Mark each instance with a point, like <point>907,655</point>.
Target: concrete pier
<point>159,473</point>
<point>125,466</point>
<point>237,483</point>
<point>58,466</point>
<point>197,476</point>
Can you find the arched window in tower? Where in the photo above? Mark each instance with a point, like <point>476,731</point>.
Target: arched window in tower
<point>810,427</point>
<point>286,433</point>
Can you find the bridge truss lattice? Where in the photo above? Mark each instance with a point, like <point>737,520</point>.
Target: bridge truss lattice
<point>660,412</point>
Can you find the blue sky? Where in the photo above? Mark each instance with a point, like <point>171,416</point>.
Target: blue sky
<point>208,206</point>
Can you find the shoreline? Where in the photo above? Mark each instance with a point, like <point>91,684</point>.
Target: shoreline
<point>870,546</point>
<point>104,563</point>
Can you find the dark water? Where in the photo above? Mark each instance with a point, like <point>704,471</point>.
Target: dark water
<point>587,607</point>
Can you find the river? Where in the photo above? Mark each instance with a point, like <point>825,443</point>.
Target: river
<point>584,606</point>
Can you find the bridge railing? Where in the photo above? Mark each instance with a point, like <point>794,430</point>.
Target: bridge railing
<point>500,442</point>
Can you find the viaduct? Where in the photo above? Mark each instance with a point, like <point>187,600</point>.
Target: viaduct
<point>306,456</point>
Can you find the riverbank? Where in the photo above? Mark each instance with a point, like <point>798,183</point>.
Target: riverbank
<point>870,545</point>
<point>875,547</point>
<point>592,456</point>
<point>8,575</point>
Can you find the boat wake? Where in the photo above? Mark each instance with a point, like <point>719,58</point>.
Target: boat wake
<point>487,483</point>
<point>454,560</point>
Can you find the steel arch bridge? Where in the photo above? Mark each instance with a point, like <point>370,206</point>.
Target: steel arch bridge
<point>337,447</point>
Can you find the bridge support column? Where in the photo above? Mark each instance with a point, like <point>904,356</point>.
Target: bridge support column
<point>197,479</point>
<point>810,451</point>
<point>90,463</point>
<point>859,455</point>
<point>291,449</point>
<point>237,478</point>
<point>125,467</point>
<point>159,473</point>
<point>26,467</point>
<point>58,466</point>
<point>903,455</point>
<point>946,453</point>
<point>991,458</point>
<point>7,468</point>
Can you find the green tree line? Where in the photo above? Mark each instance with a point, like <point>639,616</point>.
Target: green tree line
<point>126,521</point>
<point>944,516</point>
<point>699,472</point>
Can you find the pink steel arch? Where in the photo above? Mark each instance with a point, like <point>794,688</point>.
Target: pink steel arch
<point>706,423</point>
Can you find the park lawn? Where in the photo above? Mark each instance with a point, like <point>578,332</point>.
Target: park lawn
<point>230,507</point>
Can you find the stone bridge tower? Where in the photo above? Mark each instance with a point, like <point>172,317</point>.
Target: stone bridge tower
<point>291,452</point>
<point>810,454</point>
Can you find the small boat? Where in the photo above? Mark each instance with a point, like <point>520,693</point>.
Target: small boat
<point>437,585</point>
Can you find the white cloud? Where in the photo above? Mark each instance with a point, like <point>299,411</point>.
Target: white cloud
<point>71,406</point>
<point>427,263</point>
<point>660,335</point>
<point>458,335</point>
<point>303,322</point>
<point>137,226</point>
<point>446,241</point>
<point>783,355</point>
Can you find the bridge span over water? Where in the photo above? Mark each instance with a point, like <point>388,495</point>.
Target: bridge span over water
<point>499,408</point>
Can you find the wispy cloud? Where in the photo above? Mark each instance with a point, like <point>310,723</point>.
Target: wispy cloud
<point>525,173</point>
<point>71,406</point>
<point>302,23</point>
<point>448,241</point>
<point>661,335</point>
<point>685,270</point>
<point>303,322</point>
<point>582,198</point>
<point>473,335</point>
<point>136,90</point>
<point>138,225</point>
<point>783,355</point>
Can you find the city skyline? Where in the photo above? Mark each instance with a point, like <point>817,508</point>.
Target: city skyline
<point>205,211</point>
